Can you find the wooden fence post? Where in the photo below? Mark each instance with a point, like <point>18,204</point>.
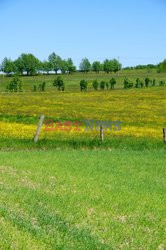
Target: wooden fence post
<point>164,134</point>
<point>39,128</point>
<point>101,133</point>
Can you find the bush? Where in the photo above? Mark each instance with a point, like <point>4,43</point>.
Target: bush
<point>147,82</point>
<point>154,82</point>
<point>102,85</point>
<point>107,85</point>
<point>95,84</point>
<point>34,88</point>
<point>139,83</point>
<point>162,83</point>
<point>15,85</point>
<point>127,83</point>
<point>112,83</point>
<point>83,85</point>
<point>43,87</point>
<point>59,83</point>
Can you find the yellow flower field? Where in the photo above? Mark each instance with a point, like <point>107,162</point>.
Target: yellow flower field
<point>142,112</point>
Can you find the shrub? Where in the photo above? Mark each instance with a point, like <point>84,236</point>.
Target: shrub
<point>34,88</point>
<point>162,83</point>
<point>154,82</point>
<point>59,83</point>
<point>139,83</point>
<point>127,83</point>
<point>147,82</point>
<point>43,87</point>
<point>102,85</point>
<point>95,84</point>
<point>83,85</point>
<point>15,85</point>
<point>112,83</point>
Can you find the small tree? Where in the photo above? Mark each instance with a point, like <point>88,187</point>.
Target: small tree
<point>112,83</point>
<point>139,83</point>
<point>85,65</point>
<point>15,85</point>
<point>70,66</point>
<point>8,66</point>
<point>95,84</point>
<point>96,66</point>
<point>83,85</point>
<point>127,83</point>
<point>154,82</point>
<point>107,85</point>
<point>162,83</point>
<point>147,82</point>
<point>46,67</point>
<point>59,83</point>
<point>43,87</point>
<point>102,85</point>
<point>34,88</point>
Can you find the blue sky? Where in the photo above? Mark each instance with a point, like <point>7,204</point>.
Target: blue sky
<point>133,30</point>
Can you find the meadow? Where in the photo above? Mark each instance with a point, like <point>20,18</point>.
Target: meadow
<point>69,190</point>
<point>141,111</point>
<point>83,199</point>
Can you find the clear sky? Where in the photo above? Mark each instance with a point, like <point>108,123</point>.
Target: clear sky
<point>133,30</point>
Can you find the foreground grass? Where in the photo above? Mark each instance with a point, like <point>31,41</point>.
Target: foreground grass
<point>83,199</point>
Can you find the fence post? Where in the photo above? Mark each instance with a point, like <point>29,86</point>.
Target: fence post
<point>39,128</point>
<point>164,134</point>
<point>101,133</point>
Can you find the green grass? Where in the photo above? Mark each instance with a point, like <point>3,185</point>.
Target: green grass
<point>83,199</point>
<point>72,81</point>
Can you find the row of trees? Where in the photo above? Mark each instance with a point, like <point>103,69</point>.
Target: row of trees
<point>147,82</point>
<point>16,84</point>
<point>30,65</point>
<point>127,83</point>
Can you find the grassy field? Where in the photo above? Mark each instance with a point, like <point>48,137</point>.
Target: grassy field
<point>82,200</point>
<point>72,81</point>
<point>69,190</point>
<point>141,111</point>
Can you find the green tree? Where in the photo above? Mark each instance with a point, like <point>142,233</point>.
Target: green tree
<point>85,65</point>
<point>154,82</point>
<point>96,66</point>
<point>15,85</point>
<point>147,82</point>
<point>43,87</point>
<point>112,83</point>
<point>34,88</point>
<point>55,61</point>
<point>162,83</point>
<point>8,66</point>
<point>107,66</point>
<point>70,66</point>
<point>127,83</point>
<point>27,63</point>
<point>59,83</point>
<point>95,84</point>
<point>46,67</point>
<point>83,85</point>
<point>162,66</point>
<point>102,85</point>
<point>115,65</point>
<point>139,83</point>
<point>63,66</point>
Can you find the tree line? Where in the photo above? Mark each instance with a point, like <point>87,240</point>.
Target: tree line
<point>30,65</point>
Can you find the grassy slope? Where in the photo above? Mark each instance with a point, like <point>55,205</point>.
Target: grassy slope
<point>72,81</point>
<point>82,200</point>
